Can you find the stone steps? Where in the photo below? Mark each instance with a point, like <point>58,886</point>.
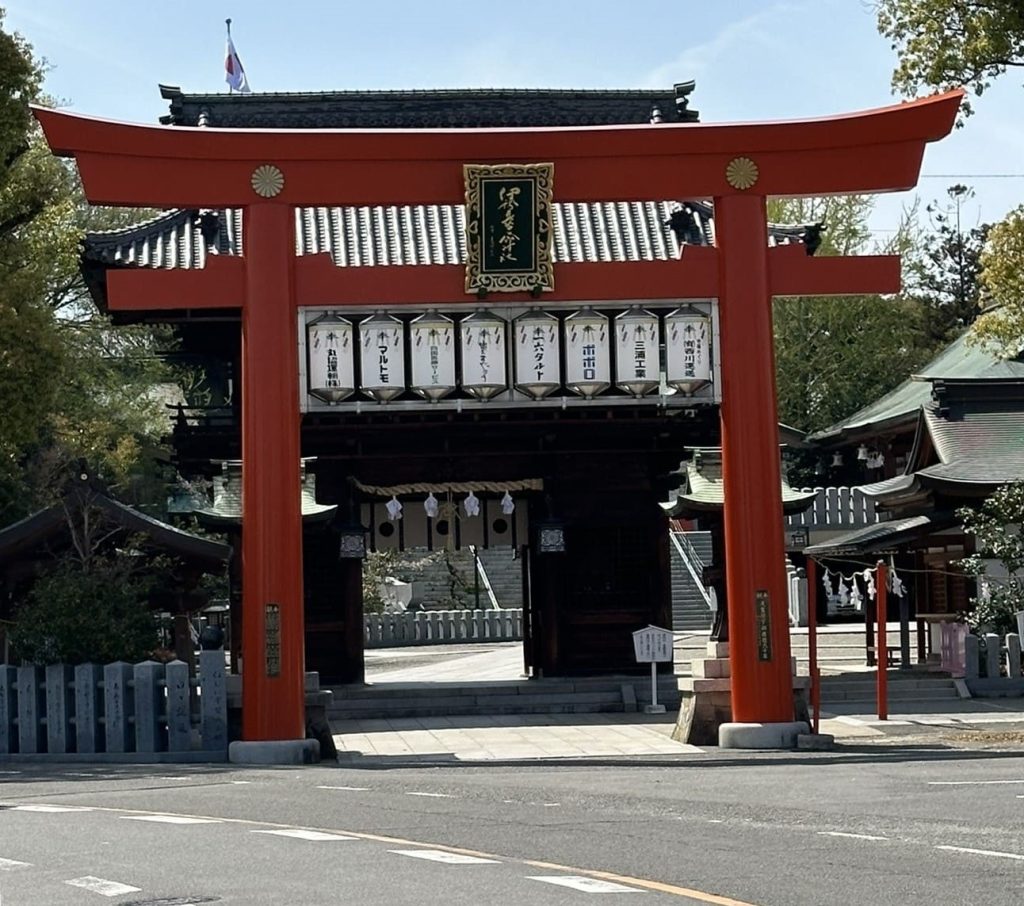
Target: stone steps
<point>570,696</point>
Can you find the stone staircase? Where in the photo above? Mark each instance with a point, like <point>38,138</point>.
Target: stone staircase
<point>906,689</point>
<point>433,580</point>
<point>583,695</point>
<point>689,612</point>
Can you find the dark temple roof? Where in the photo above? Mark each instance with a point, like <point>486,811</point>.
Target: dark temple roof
<point>418,235</point>
<point>430,109</point>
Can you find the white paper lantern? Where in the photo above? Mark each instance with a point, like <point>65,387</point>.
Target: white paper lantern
<point>537,354</point>
<point>482,338</point>
<point>637,361</point>
<point>432,340</point>
<point>688,350</point>
<point>382,357</point>
<point>587,356</point>
<point>329,343</point>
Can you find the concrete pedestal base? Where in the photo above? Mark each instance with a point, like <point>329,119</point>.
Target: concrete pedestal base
<point>707,699</point>
<point>275,751</point>
<point>761,736</point>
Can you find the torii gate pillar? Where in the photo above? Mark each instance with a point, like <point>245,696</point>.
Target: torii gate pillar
<point>269,173</point>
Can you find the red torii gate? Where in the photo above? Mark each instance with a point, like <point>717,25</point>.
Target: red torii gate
<point>270,172</point>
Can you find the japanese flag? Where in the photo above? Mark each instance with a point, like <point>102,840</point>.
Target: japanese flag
<point>234,73</point>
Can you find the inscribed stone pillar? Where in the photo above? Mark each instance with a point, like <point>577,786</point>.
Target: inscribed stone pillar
<point>117,707</point>
<point>149,700</point>
<point>1013,656</point>
<point>8,710</point>
<point>58,709</point>
<point>972,656</point>
<point>179,710</point>
<point>992,652</point>
<point>213,702</point>
<point>31,708</point>
<point>88,730</point>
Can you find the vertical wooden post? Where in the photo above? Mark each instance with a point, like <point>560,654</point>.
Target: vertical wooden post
<point>881,592</point>
<point>812,641</point>
<point>762,682</point>
<point>273,688</point>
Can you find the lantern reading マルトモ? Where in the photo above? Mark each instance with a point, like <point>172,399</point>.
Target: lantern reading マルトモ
<point>537,354</point>
<point>432,340</point>
<point>587,358</point>
<point>687,349</point>
<point>637,363</point>
<point>482,338</point>
<point>382,357</point>
<point>329,342</point>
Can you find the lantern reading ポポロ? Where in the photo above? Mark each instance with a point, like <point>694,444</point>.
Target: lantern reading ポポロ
<point>432,342</point>
<point>329,343</point>
<point>537,354</point>
<point>687,350</point>
<point>482,338</point>
<point>587,356</point>
<point>382,357</point>
<point>637,362</point>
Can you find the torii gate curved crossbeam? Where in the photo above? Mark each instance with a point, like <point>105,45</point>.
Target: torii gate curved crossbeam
<point>737,165</point>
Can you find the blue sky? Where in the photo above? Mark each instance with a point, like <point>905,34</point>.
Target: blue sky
<point>774,60</point>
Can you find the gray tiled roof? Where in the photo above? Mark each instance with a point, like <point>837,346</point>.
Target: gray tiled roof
<point>431,108</point>
<point>420,234</point>
<point>882,537</point>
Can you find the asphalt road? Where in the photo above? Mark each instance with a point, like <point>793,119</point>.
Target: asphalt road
<point>903,826</point>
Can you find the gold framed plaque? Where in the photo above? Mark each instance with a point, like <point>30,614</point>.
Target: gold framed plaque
<point>508,228</point>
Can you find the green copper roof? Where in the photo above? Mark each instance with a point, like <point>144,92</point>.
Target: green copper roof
<point>960,361</point>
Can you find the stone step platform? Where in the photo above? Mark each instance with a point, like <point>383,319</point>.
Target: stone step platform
<point>555,696</point>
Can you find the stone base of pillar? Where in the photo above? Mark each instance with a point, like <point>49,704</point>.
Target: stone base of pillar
<point>274,751</point>
<point>761,736</point>
<point>707,699</point>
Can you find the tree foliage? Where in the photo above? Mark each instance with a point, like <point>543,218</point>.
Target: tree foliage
<point>948,43</point>
<point>1002,275</point>
<point>835,354</point>
<point>996,526</point>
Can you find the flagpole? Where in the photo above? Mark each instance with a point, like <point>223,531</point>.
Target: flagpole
<point>228,21</point>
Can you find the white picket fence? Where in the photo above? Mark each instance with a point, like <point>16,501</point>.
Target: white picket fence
<point>116,709</point>
<point>438,627</point>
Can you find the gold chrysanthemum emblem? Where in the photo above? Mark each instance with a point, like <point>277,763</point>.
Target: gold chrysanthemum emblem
<point>741,173</point>
<point>267,181</point>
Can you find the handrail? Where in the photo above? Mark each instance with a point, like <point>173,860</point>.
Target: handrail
<point>482,573</point>
<point>691,559</point>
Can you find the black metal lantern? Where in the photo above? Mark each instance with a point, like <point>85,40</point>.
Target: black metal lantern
<point>352,545</point>
<point>551,537</point>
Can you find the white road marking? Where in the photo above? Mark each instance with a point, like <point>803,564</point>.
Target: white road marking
<point>299,834</point>
<point>439,855</point>
<point>13,864</point>
<point>551,804</point>
<point>713,820</point>
<point>351,789</point>
<point>851,836</point>
<point>982,852</point>
<point>587,885</point>
<point>432,795</point>
<point>51,808</point>
<point>241,781</point>
<point>169,819</point>
<point>174,778</point>
<point>970,782</point>
<point>11,772</point>
<point>99,885</point>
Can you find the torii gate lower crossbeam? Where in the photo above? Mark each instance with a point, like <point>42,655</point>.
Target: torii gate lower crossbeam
<point>268,173</point>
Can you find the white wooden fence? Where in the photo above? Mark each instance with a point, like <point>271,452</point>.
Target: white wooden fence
<point>437,627</point>
<point>116,709</point>
<point>837,507</point>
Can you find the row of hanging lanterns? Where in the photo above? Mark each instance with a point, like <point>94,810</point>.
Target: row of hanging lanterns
<point>587,338</point>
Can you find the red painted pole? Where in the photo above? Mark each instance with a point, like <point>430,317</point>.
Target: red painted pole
<point>273,644</point>
<point>812,641</point>
<point>759,649</point>
<point>881,592</point>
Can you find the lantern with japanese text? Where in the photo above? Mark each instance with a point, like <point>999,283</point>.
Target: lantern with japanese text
<point>688,349</point>
<point>537,354</point>
<point>482,339</point>
<point>382,357</point>
<point>587,356</point>
<point>637,361</point>
<point>432,340</point>
<point>329,342</point>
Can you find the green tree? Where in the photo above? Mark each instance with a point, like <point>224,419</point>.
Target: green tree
<point>1002,275</point>
<point>948,43</point>
<point>996,526</point>
<point>834,354</point>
